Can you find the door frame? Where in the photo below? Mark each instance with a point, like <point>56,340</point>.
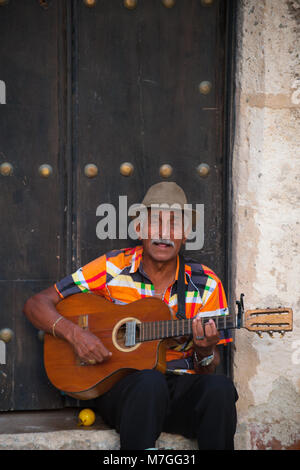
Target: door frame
<point>229,136</point>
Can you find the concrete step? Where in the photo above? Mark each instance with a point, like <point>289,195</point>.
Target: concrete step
<point>83,440</point>
<point>59,430</point>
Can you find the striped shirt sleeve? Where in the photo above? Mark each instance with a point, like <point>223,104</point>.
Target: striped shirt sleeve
<point>89,278</point>
<point>216,304</point>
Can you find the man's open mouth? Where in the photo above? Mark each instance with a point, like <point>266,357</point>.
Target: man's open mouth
<point>163,243</point>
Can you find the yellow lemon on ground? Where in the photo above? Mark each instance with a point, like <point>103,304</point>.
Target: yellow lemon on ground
<point>86,417</point>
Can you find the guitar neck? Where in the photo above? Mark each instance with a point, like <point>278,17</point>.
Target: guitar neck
<point>149,331</point>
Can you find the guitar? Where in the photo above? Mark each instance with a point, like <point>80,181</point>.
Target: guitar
<point>137,334</point>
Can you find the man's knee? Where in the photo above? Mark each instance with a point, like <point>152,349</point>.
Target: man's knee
<point>151,378</point>
<point>220,386</point>
<point>151,381</point>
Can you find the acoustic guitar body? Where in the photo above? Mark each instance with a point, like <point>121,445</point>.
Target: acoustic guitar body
<point>108,322</point>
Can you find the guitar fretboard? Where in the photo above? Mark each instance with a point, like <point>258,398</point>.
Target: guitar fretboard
<point>148,331</point>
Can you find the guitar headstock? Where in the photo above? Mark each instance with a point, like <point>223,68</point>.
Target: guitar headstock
<point>269,320</point>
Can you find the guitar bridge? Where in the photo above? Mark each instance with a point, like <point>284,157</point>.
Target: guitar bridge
<point>83,321</point>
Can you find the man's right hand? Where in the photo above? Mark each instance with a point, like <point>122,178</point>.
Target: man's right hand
<point>88,347</point>
<point>40,310</point>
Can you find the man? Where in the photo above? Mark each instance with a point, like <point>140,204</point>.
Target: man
<point>189,399</point>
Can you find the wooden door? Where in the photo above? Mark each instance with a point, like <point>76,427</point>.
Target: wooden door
<point>100,85</point>
<point>32,206</point>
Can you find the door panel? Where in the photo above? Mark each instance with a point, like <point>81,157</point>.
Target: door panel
<point>32,249</point>
<point>107,118</point>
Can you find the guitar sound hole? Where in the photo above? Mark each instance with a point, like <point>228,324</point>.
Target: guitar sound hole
<point>121,335</point>
<point>124,339</point>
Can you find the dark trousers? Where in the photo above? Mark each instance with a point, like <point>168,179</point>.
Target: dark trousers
<point>145,403</point>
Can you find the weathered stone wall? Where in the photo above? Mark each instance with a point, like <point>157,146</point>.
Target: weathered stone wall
<point>266,221</point>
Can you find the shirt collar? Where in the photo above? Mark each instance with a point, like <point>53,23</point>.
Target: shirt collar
<point>137,259</point>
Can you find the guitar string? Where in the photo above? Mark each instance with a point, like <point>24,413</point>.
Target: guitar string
<point>165,328</point>
<point>168,325</point>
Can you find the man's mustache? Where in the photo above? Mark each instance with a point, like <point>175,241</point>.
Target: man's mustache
<point>163,241</point>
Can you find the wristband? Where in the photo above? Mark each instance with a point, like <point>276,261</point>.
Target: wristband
<point>205,361</point>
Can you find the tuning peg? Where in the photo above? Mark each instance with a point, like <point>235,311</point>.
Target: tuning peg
<point>271,333</point>
<point>259,334</point>
<point>282,333</point>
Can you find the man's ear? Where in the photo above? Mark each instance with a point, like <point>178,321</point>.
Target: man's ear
<point>184,240</point>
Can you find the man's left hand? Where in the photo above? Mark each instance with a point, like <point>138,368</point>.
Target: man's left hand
<point>205,338</point>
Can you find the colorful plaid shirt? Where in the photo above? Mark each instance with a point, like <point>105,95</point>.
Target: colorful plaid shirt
<point>120,278</point>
